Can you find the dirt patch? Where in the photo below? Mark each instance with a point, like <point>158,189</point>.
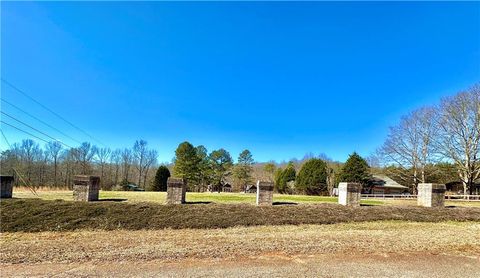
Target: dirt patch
<point>35,215</point>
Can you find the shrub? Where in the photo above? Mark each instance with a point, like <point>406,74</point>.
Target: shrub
<point>312,178</point>
<point>161,177</point>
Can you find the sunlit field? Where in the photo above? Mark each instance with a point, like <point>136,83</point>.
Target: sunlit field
<point>220,198</point>
<point>160,197</point>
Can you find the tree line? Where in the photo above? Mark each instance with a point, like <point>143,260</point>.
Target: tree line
<point>54,165</point>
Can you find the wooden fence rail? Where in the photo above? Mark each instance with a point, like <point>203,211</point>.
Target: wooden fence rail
<point>413,197</point>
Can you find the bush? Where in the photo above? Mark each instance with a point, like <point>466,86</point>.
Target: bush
<point>312,178</point>
<point>161,177</point>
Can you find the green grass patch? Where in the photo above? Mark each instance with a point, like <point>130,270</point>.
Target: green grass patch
<point>160,197</point>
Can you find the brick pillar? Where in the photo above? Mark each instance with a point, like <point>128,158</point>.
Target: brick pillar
<point>431,195</point>
<point>264,193</point>
<point>6,189</point>
<point>176,189</point>
<point>86,188</point>
<point>349,193</point>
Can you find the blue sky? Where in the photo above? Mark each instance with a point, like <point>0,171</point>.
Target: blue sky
<point>281,79</point>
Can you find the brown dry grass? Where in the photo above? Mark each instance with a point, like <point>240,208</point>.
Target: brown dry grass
<point>34,215</point>
<point>451,238</point>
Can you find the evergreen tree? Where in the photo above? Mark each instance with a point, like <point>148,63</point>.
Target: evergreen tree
<point>355,169</point>
<point>221,163</point>
<point>187,164</point>
<point>161,177</point>
<point>285,176</point>
<point>312,178</point>
<point>277,177</point>
<point>205,171</point>
<point>243,170</point>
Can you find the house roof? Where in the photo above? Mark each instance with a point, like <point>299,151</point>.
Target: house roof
<point>387,182</point>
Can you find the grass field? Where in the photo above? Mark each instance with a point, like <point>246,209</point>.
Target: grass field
<point>220,198</point>
<point>160,197</point>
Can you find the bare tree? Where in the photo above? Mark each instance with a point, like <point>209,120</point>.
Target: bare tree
<point>150,160</point>
<point>126,163</point>
<point>409,145</point>
<point>84,155</point>
<point>53,150</point>
<point>458,120</point>
<point>30,153</point>
<point>140,151</point>
<point>116,160</point>
<point>103,155</point>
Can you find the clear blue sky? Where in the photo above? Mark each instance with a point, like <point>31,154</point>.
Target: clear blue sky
<point>281,79</point>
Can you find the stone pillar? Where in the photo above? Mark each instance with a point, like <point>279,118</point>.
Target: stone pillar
<point>176,190</point>
<point>86,188</point>
<point>349,193</point>
<point>264,193</point>
<point>431,195</point>
<point>6,189</point>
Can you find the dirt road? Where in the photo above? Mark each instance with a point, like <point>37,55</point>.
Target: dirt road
<point>269,265</point>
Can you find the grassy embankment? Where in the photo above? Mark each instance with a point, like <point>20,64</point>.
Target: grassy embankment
<point>36,215</point>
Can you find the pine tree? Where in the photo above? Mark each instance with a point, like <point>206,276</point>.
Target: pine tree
<point>221,162</point>
<point>243,170</point>
<point>187,164</point>
<point>355,169</point>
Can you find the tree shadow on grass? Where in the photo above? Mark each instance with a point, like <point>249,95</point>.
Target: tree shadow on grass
<point>198,203</point>
<point>367,205</point>
<point>112,200</point>
<point>284,204</point>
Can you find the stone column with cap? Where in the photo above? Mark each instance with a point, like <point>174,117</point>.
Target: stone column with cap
<point>6,189</point>
<point>176,190</point>
<point>431,195</point>
<point>86,188</point>
<point>264,193</point>
<point>349,193</point>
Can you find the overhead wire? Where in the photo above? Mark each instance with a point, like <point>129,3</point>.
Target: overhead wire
<point>41,121</point>
<point>50,110</point>
<point>37,130</point>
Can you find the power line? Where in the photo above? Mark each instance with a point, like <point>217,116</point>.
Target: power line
<point>6,140</point>
<point>50,110</point>
<point>39,131</point>
<point>14,168</point>
<point>24,131</point>
<point>41,121</point>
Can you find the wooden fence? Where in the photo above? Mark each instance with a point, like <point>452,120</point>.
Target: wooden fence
<point>414,197</point>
